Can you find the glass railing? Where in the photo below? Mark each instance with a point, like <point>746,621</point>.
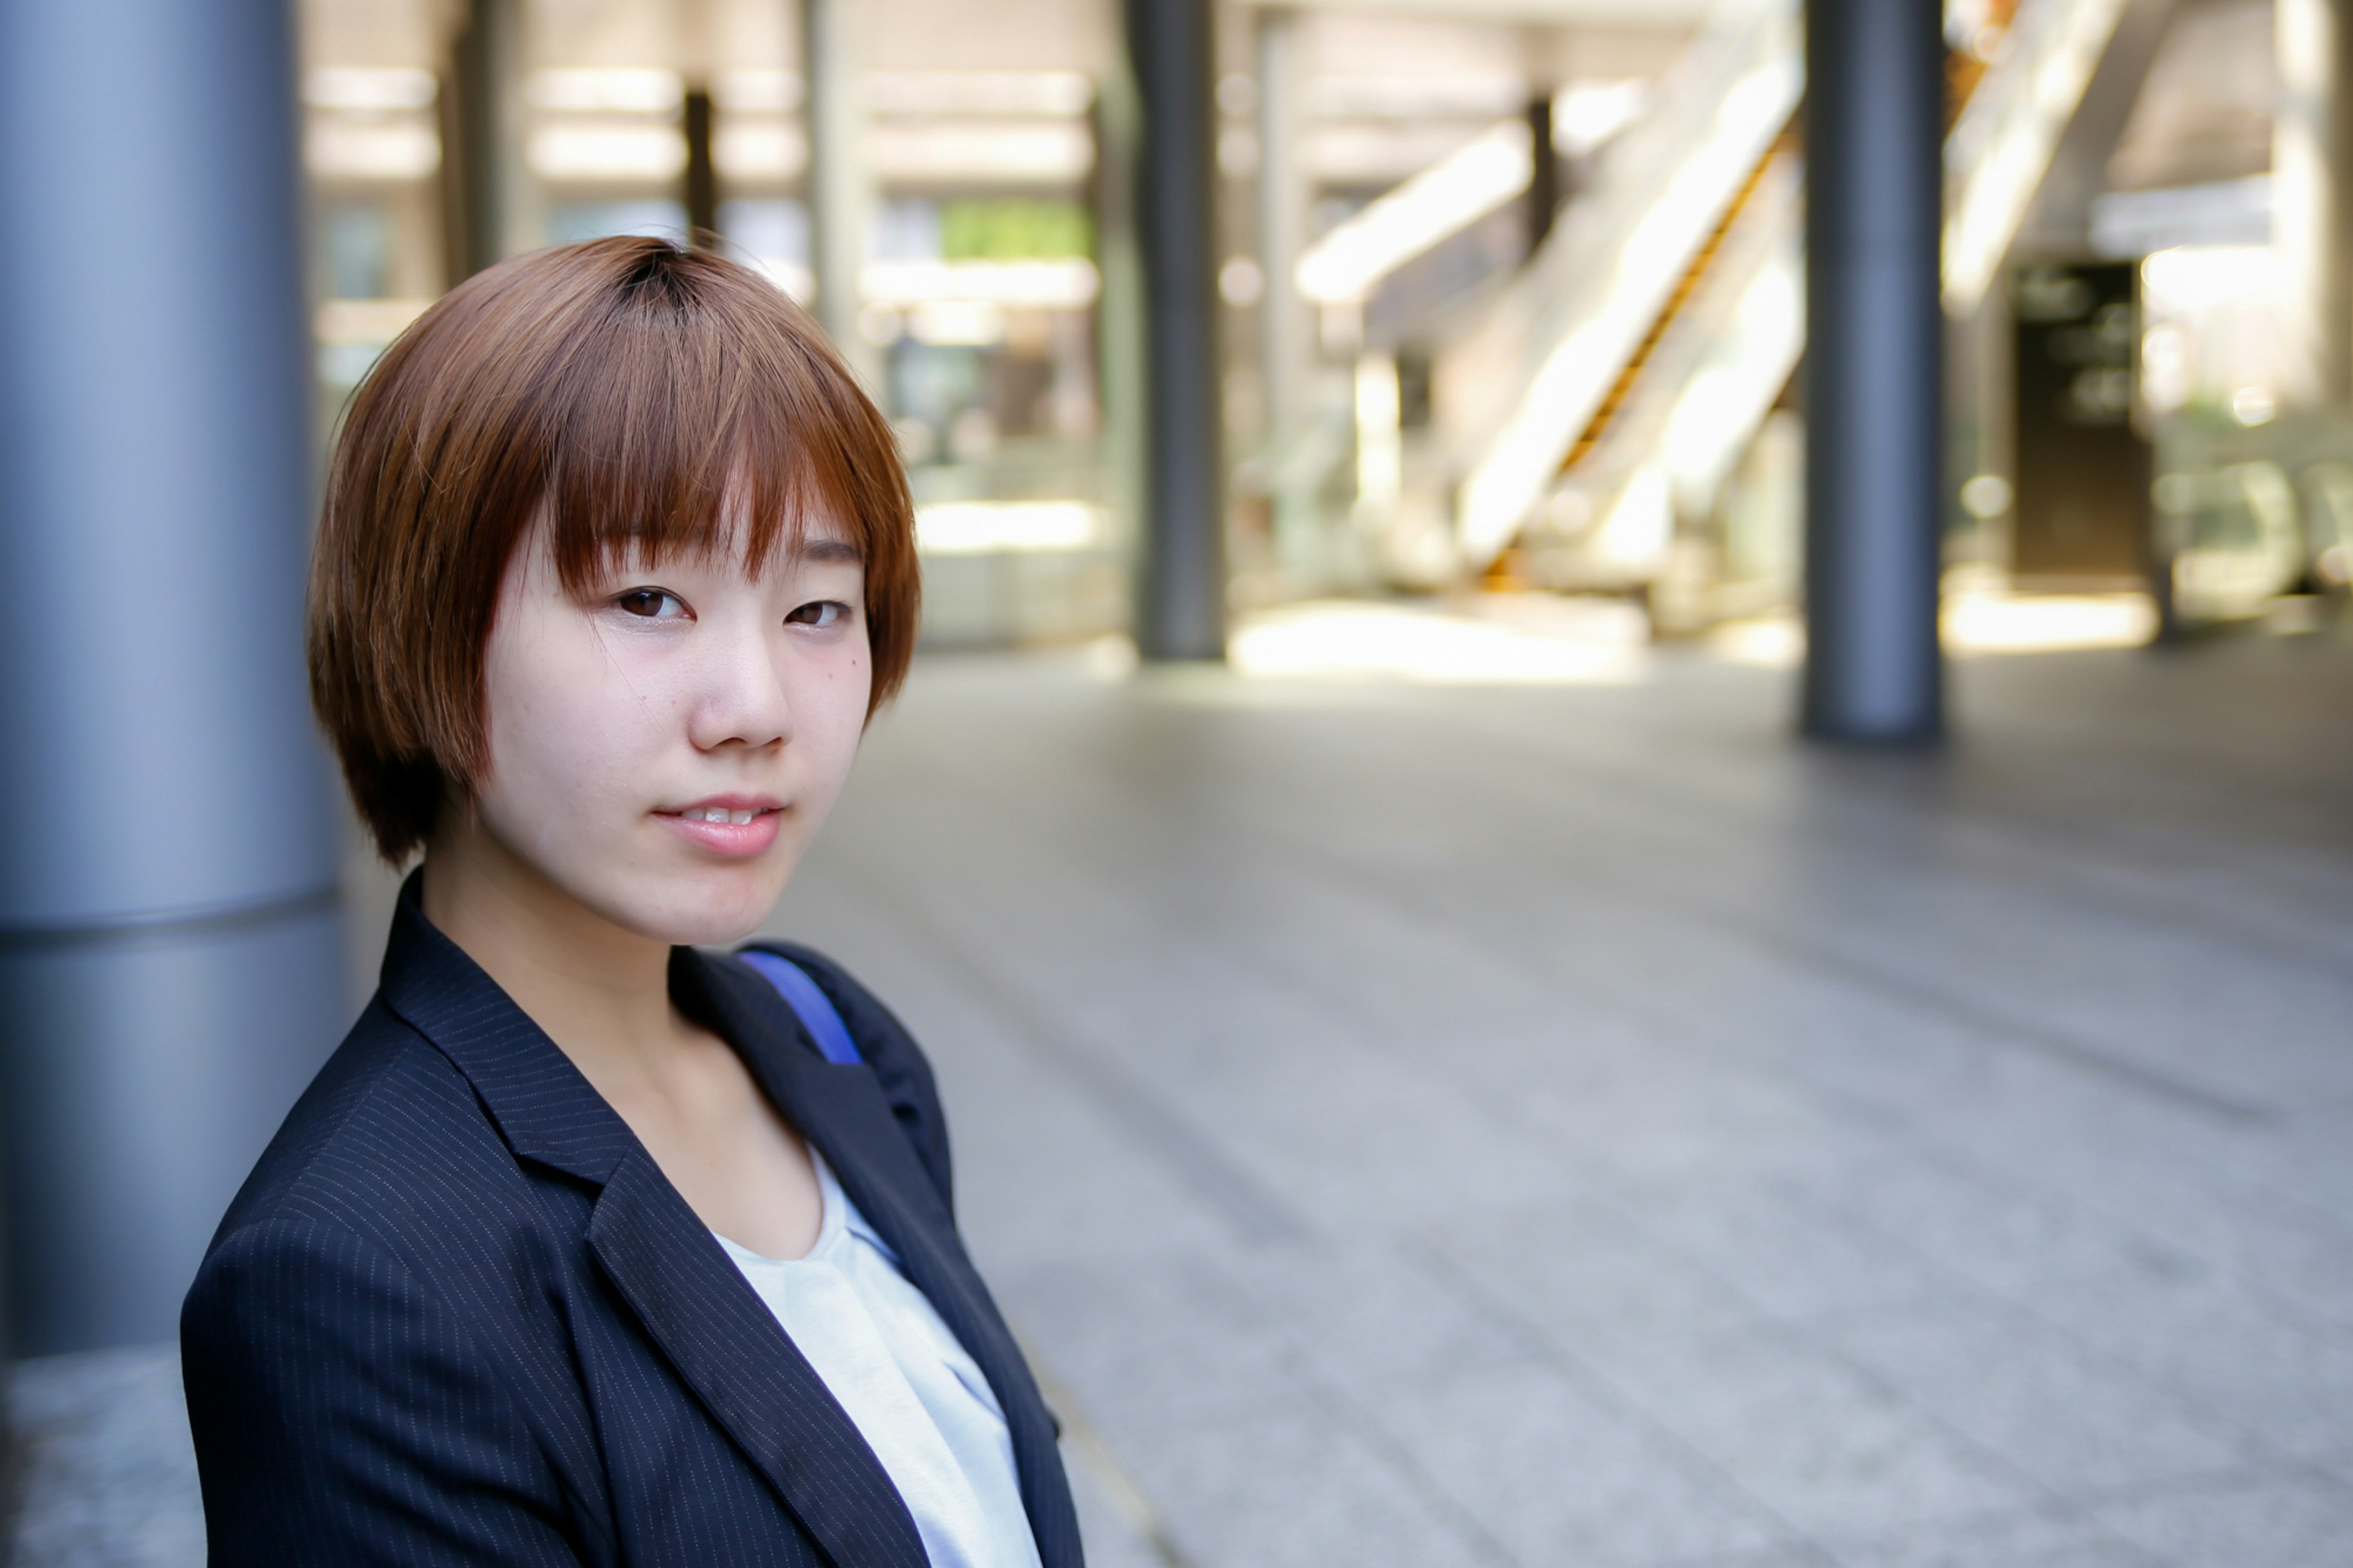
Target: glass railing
<point>2246,514</point>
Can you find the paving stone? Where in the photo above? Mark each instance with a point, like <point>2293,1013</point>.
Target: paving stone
<point>2257,1362</point>
<point>1365,1310</point>
<point>1824,1448</point>
<point>1115,1536</point>
<point>109,1472</point>
<point>2158,1176</point>
<point>1579,1271</point>
<point>1300,1489</point>
<point>1985,1228</point>
<point>1792,1258</point>
<point>1143,1345</point>
<point>2337,1467</point>
<point>2042,1539</point>
<point>2259,1522</point>
<point>2038,1399</point>
<point>1559,1478</point>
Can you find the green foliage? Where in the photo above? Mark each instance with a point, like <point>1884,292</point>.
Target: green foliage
<point>1014,230</point>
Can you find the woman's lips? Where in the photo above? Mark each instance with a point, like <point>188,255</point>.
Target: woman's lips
<point>735,826</point>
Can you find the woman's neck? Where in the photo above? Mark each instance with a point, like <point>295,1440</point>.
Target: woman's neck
<point>599,990</point>
<point>602,992</point>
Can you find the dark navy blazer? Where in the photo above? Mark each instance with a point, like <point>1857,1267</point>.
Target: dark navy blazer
<point>458,1315</point>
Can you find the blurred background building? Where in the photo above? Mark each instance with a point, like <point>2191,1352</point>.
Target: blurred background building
<point>1411,199</point>
<point>1443,342</point>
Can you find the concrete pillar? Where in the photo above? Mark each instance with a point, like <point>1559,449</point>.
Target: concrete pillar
<point>489,210</point>
<point>1874,131</point>
<point>171,957</point>
<point>1282,200</point>
<point>840,192</point>
<point>2312,197</point>
<point>1181,587</point>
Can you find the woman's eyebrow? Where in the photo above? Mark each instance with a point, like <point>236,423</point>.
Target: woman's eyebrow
<point>828,550</point>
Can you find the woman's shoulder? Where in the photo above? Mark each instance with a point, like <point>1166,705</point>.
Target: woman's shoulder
<point>889,1047</point>
<point>388,1143</point>
<point>887,1044</point>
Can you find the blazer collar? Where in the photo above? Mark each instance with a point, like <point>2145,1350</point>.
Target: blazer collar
<point>544,1107</point>
<point>657,1254</point>
<point>548,1111</point>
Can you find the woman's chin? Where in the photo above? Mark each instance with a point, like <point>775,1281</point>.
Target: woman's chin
<point>708,912</point>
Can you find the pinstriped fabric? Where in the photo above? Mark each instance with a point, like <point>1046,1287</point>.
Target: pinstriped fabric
<point>457,1315</point>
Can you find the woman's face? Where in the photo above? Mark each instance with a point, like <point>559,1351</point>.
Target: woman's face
<point>664,749</point>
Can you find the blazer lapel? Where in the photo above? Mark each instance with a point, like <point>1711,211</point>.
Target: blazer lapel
<point>721,1337</point>
<point>840,1110</point>
<point>660,1257</point>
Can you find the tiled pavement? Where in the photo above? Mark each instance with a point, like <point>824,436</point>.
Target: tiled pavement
<point>1578,1127</point>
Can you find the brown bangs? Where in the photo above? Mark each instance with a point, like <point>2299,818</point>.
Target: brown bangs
<point>678,428</point>
<point>648,402</point>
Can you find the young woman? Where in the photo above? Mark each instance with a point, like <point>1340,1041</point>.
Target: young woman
<point>580,1251</point>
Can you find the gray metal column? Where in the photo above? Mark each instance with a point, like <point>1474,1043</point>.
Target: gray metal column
<point>2312,196</point>
<point>839,191</point>
<point>1282,201</point>
<point>489,212</point>
<point>171,957</point>
<point>1875,131</point>
<point>1181,588</point>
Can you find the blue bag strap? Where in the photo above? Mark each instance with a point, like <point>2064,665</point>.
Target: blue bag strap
<point>808,1002</point>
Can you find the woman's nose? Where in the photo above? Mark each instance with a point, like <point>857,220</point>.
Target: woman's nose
<point>742,698</point>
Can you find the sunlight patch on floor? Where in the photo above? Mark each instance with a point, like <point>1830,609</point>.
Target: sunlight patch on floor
<point>1976,624</point>
<point>1540,643</point>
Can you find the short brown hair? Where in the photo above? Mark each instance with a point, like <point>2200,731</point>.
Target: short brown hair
<point>630,391</point>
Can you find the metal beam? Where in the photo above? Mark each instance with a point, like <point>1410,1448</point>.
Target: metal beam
<point>1544,173</point>
<point>701,184</point>
<point>1875,133</point>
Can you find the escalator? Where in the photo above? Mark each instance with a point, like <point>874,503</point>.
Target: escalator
<point>1601,406</point>
<point>1515,392</point>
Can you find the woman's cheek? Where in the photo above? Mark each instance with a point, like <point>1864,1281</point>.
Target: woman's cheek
<point>621,707</point>
<point>581,744</point>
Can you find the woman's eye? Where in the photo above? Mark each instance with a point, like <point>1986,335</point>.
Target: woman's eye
<point>650,604</point>
<point>823,613</point>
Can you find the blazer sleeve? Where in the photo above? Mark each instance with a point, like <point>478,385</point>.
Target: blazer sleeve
<point>341,1419</point>
<point>900,1066</point>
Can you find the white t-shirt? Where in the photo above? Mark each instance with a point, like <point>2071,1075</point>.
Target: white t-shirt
<point>918,1399</point>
